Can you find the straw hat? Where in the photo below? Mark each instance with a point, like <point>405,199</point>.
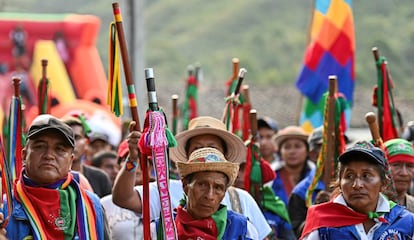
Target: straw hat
<point>290,132</point>
<point>236,150</point>
<point>208,159</point>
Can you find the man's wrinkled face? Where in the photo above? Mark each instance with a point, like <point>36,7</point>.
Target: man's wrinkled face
<point>47,158</point>
<point>402,173</point>
<point>205,193</point>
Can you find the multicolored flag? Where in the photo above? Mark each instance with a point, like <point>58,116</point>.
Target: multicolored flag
<point>331,51</point>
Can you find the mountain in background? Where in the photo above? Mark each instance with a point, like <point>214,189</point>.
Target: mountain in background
<point>268,36</point>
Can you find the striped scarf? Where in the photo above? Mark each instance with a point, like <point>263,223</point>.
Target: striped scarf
<point>56,210</point>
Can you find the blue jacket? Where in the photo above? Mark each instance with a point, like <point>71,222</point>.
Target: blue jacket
<point>19,227</point>
<point>400,226</point>
<point>301,188</point>
<point>236,227</point>
<point>278,187</point>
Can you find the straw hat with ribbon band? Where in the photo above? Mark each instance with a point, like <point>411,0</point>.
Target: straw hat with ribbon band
<point>208,160</point>
<point>399,150</point>
<point>290,132</point>
<point>236,151</point>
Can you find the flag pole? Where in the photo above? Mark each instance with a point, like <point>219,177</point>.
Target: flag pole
<point>308,40</point>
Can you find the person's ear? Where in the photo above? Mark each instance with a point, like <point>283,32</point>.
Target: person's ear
<point>24,154</point>
<point>185,185</point>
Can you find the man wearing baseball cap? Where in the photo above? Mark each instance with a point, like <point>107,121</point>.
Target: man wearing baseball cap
<point>202,132</point>
<point>400,154</point>
<point>48,203</point>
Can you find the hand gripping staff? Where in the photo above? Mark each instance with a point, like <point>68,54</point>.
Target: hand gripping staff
<point>154,143</point>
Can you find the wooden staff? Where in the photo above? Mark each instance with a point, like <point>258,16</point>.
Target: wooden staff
<point>133,104</point>
<point>376,54</point>
<point>43,94</point>
<point>374,129</point>
<point>376,137</point>
<point>330,143</point>
<point>241,76</point>
<point>245,91</point>
<point>174,99</point>
<point>254,138</point>
<point>235,62</point>
<point>246,110</point>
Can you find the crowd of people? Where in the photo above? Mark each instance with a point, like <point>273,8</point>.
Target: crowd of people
<point>75,184</point>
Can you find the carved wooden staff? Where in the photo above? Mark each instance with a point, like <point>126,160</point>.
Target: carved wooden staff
<point>133,104</point>
<point>330,144</point>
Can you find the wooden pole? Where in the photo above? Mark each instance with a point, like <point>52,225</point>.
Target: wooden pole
<point>127,69</point>
<point>174,99</point>
<point>254,138</point>
<point>330,144</point>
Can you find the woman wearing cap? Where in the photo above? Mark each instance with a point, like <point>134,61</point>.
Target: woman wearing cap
<point>200,215</point>
<point>292,143</point>
<point>400,154</point>
<point>359,210</point>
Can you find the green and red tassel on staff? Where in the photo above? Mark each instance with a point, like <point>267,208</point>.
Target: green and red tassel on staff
<point>388,119</point>
<point>189,108</point>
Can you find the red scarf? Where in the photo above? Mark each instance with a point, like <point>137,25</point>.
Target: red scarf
<point>331,214</point>
<point>190,228</point>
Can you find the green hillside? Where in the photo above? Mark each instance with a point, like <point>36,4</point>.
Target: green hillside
<point>268,36</point>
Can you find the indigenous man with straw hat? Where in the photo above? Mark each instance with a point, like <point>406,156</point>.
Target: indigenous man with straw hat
<point>205,178</point>
<point>48,202</point>
<point>400,154</point>
<point>203,132</point>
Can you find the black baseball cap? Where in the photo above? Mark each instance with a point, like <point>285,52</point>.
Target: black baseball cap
<point>364,150</point>
<point>45,122</point>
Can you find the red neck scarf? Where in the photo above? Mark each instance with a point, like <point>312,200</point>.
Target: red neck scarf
<point>327,215</point>
<point>190,228</point>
